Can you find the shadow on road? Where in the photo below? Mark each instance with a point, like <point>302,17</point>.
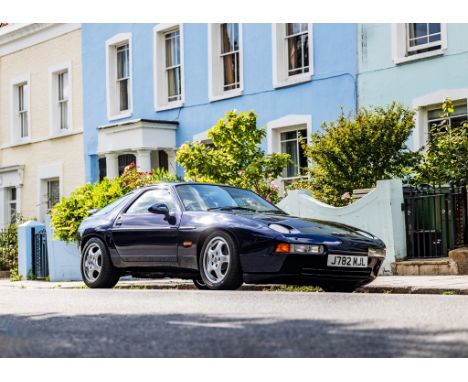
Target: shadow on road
<point>215,336</point>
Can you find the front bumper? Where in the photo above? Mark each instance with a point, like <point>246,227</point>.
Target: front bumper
<point>313,269</point>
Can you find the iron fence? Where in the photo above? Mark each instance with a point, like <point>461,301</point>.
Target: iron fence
<point>436,219</point>
<point>40,264</point>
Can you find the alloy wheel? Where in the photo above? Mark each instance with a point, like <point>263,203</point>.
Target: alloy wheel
<point>92,262</point>
<point>216,259</point>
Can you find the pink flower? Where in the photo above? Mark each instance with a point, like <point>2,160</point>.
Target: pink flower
<point>345,196</point>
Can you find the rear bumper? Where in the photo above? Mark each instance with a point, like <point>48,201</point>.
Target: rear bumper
<point>313,269</point>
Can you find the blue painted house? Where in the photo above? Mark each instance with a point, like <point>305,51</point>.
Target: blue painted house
<point>148,88</point>
<point>417,64</point>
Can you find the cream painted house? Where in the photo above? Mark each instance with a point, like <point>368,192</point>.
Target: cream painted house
<point>41,117</point>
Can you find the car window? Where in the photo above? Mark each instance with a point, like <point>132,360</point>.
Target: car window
<point>114,205</point>
<point>147,199</point>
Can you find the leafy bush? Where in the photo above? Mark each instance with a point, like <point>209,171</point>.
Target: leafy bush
<point>9,250</point>
<point>68,214</point>
<point>446,154</point>
<point>235,157</point>
<point>354,152</point>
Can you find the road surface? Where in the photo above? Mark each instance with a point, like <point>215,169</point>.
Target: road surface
<point>189,323</point>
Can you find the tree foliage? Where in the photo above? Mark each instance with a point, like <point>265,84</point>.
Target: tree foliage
<point>354,152</point>
<point>446,155</point>
<point>68,214</point>
<point>235,156</point>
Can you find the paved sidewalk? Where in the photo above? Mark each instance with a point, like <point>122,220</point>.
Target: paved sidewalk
<point>383,284</point>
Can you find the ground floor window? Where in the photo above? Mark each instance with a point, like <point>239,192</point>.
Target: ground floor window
<point>457,118</point>
<point>124,161</point>
<point>12,205</point>
<point>290,142</point>
<point>102,163</point>
<point>53,193</point>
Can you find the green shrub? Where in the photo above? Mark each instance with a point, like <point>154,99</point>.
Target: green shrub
<point>9,249</point>
<point>446,154</point>
<point>68,214</point>
<point>234,157</point>
<point>355,152</point>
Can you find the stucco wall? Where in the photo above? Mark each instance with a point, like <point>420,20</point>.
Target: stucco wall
<point>381,81</point>
<point>65,152</point>
<point>332,84</point>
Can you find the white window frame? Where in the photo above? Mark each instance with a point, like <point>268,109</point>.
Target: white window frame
<point>15,123</point>
<point>215,66</point>
<point>54,108</point>
<point>112,44</point>
<point>280,73</point>
<point>44,174</point>
<point>400,44</point>
<point>160,81</point>
<point>428,102</point>
<point>284,124</point>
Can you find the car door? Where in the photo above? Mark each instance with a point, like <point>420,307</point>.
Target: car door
<point>142,236</point>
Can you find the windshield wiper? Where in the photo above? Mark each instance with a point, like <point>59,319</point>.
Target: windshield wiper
<point>274,212</point>
<point>228,208</point>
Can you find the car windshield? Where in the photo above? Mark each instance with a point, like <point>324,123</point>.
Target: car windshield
<point>113,205</point>
<point>205,197</point>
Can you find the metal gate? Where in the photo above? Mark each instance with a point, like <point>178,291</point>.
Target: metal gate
<point>436,219</point>
<point>40,264</point>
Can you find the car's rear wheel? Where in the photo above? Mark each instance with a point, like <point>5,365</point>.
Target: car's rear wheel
<point>96,267</point>
<point>219,262</point>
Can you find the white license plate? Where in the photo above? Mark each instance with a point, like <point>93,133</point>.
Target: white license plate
<point>347,261</point>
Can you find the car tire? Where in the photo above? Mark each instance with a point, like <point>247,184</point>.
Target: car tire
<point>97,269</point>
<point>219,262</point>
<point>199,284</point>
<point>342,287</point>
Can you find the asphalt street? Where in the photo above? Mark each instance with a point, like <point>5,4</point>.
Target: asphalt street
<point>190,323</point>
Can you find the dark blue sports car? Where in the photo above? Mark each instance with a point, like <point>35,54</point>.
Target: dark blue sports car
<point>220,237</point>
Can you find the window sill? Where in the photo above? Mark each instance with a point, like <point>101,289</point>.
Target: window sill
<point>420,56</point>
<point>38,140</point>
<point>169,106</point>
<point>293,80</point>
<point>122,115</point>
<point>226,95</point>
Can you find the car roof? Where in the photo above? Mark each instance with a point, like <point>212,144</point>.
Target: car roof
<point>173,184</point>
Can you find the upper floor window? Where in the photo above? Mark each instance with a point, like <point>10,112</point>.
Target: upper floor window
<point>168,84</point>
<point>225,60</point>
<point>23,109</point>
<point>292,53</point>
<point>418,40</point>
<point>20,109</point>
<point>60,96</point>
<point>297,37</point>
<point>119,76</point>
<point>230,56</point>
<point>423,37</point>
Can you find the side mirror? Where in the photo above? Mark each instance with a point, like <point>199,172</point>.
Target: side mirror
<point>160,209</point>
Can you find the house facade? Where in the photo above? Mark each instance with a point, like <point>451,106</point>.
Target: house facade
<point>41,141</point>
<point>148,88</point>
<point>417,64</point>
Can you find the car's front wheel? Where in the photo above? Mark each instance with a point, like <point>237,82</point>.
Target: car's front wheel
<point>219,262</point>
<point>96,267</point>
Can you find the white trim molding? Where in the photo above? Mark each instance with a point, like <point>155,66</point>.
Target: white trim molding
<point>427,101</point>
<point>280,57</point>
<point>399,44</point>
<point>54,112</point>
<point>45,173</point>
<point>111,75</point>
<point>215,65</point>
<point>15,37</point>
<point>15,134</point>
<point>160,86</point>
